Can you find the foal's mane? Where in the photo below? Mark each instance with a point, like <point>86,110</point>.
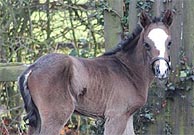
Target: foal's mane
<point>157,19</point>
<point>124,43</point>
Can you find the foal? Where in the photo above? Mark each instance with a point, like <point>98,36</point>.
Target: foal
<point>112,86</point>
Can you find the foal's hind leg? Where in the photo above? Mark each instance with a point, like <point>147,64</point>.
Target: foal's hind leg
<point>55,105</point>
<point>54,115</point>
<point>119,125</point>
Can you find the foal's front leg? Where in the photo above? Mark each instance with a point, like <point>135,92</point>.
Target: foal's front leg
<point>129,130</point>
<point>119,125</point>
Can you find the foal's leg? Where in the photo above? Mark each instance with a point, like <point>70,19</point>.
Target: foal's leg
<point>119,125</point>
<point>129,130</point>
<point>54,114</point>
<point>54,103</point>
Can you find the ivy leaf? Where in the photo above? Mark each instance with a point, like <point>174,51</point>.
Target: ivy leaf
<point>191,77</point>
<point>152,1</point>
<point>183,74</point>
<point>171,86</point>
<point>188,88</point>
<point>73,52</point>
<point>149,116</point>
<point>183,96</point>
<point>140,3</point>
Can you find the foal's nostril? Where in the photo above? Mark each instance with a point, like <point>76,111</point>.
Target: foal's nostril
<point>166,72</point>
<point>157,70</point>
<point>163,76</point>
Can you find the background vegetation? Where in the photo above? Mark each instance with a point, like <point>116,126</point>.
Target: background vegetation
<point>32,28</point>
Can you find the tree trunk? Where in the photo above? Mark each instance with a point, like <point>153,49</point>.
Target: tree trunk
<point>2,52</point>
<point>112,23</point>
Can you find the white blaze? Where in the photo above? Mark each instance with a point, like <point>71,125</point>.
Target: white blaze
<point>159,37</point>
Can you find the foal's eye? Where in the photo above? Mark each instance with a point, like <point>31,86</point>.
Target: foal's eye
<point>147,46</point>
<point>169,45</point>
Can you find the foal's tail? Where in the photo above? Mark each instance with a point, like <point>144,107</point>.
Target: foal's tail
<point>32,111</point>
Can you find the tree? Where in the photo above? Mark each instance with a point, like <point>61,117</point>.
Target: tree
<point>112,23</point>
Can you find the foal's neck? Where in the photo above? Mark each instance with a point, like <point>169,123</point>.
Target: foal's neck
<point>137,62</point>
<point>133,55</point>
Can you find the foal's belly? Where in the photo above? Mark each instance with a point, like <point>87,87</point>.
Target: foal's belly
<point>93,105</point>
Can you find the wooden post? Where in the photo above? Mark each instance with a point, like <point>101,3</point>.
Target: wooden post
<point>157,127</point>
<point>112,23</point>
<point>188,30</point>
<point>11,71</point>
<point>132,15</point>
<point>176,31</point>
<point>188,42</point>
<point>158,7</point>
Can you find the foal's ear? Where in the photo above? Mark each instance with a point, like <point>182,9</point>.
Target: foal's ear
<point>168,18</point>
<point>144,19</point>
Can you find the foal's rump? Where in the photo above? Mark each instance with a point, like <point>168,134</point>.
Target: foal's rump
<point>31,109</point>
<point>44,85</point>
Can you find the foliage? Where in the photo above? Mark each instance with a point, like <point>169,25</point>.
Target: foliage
<point>145,5</point>
<point>32,28</point>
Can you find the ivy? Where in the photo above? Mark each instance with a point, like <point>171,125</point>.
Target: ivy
<point>145,5</point>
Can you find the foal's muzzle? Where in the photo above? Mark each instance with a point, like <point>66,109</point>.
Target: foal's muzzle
<point>161,67</point>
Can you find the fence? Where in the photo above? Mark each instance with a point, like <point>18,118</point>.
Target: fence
<point>177,116</point>
<point>170,109</point>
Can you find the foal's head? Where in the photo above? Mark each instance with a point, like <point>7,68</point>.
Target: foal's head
<point>157,42</point>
